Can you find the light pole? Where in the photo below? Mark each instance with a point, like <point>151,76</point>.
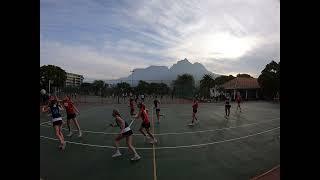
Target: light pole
<point>49,86</point>
<point>132,78</point>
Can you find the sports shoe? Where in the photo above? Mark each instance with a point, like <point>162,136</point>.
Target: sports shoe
<point>80,134</point>
<point>154,141</point>
<point>146,138</point>
<point>135,158</point>
<point>70,134</point>
<point>63,146</point>
<point>191,124</point>
<point>116,154</point>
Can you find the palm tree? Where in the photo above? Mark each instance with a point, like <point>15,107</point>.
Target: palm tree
<point>184,85</point>
<point>206,83</point>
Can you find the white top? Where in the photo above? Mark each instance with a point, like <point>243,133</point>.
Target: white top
<point>126,129</point>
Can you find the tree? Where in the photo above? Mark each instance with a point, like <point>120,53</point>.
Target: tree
<point>220,80</point>
<point>55,74</point>
<point>98,87</point>
<point>244,75</point>
<point>269,79</point>
<point>153,88</point>
<point>123,87</point>
<point>142,87</point>
<point>184,85</point>
<point>206,83</point>
<point>87,88</point>
<point>163,89</point>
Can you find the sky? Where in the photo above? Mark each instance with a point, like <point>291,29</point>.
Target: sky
<point>106,39</point>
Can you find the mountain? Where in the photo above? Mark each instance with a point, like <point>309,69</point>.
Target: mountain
<point>164,74</point>
<point>184,66</point>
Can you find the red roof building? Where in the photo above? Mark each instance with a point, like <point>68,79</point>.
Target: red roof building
<point>248,87</point>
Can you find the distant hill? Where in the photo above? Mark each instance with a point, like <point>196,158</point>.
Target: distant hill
<point>164,74</point>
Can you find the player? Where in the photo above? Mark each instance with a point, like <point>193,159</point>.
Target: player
<point>131,105</point>
<point>71,115</point>
<point>227,106</point>
<point>156,103</point>
<point>125,132</point>
<point>145,122</point>
<point>238,99</point>
<point>54,108</point>
<point>194,111</point>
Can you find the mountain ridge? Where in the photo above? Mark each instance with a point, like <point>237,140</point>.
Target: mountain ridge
<point>164,73</point>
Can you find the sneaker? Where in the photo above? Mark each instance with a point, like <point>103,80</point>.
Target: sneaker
<point>63,146</point>
<point>135,158</point>
<point>154,141</point>
<point>191,124</point>
<point>70,134</point>
<point>80,134</point>
<point>146,138</point>
<point>116,154</point>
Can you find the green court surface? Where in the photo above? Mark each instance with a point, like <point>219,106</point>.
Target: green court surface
<point>242,147</point>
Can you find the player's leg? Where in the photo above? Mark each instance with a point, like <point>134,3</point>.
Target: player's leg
<point>116,142</point>
<point>130,146</point>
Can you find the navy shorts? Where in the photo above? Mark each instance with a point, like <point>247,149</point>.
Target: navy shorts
<point>195,111</point>
<point>158,110</point>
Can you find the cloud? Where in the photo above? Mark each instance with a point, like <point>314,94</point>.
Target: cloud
<point>84,60</point>
<point>226,36</point>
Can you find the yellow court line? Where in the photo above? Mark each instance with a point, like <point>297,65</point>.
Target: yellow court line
<point>154,151</point>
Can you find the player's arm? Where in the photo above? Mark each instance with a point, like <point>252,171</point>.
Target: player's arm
<point>121,122</point>
<point>60,107</point>
<point>75,108</point>
<point>45,109</point>
<point>138,114</point>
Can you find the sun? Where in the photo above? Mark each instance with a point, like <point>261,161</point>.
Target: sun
<point>219,46</point>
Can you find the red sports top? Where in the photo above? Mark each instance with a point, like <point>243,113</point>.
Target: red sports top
<point>144,116</point>
<point>69,107</point>
<point>195,105</point>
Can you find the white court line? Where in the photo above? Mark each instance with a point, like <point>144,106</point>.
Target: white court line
<point>168,147</point>
<point>188,132</point>
<point>44,123</point>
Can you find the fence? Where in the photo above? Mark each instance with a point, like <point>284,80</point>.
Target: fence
<point>110,93</point>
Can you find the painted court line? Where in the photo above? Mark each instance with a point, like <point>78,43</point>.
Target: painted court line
<point>188,132</point>
<point>168,147</point>
<point>153,151</point>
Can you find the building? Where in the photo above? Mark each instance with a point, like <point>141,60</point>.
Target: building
<point>74,80</point>
<point>248,87</point>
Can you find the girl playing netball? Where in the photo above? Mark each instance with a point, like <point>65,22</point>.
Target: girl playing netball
<point>156,103</point>
<point>238,99</point>
<point>125,132</point>
<point>71,115</point>
<point>194,111</point>
<point>54,108</point>
<point>131,105</point>
<point>227,106</point>
<point>145,122</point>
